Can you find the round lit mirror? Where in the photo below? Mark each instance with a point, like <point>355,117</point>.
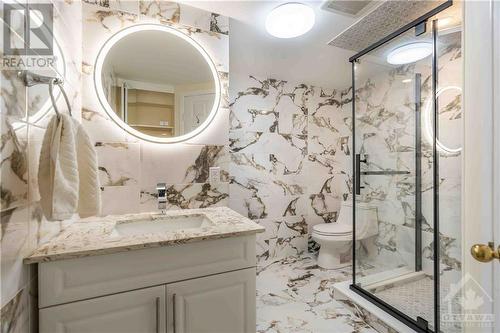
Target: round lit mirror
<point>157,83</point>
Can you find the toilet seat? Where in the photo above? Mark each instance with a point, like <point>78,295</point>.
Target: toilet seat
<point>333,229</point>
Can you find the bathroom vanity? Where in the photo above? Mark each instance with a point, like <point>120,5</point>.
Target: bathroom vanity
<point>182,271</point>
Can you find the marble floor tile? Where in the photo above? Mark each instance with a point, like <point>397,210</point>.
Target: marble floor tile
<point>295,295</point>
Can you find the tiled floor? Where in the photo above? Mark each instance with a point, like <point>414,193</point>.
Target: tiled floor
<point>295,295</point>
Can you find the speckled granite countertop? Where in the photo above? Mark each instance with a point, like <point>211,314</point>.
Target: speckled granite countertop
<point>98,236</point>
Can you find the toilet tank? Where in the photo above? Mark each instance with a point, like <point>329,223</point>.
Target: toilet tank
<point>366,218</point>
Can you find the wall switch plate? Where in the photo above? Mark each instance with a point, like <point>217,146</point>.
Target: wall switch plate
<point>214,175</point>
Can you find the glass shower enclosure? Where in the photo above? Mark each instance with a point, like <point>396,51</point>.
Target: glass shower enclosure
<point>396,114</point>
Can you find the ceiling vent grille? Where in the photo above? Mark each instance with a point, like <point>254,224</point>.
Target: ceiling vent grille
<point>380,21</point>
<point>346,7</point>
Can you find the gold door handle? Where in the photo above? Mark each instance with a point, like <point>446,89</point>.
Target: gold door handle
<point>485,253</point>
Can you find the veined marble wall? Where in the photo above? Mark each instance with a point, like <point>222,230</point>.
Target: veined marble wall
<point>130,168</point>
<point>24,115</point>
<point>290,153</point>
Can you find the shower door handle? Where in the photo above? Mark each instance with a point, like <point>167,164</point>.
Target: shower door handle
<point>357,174</point>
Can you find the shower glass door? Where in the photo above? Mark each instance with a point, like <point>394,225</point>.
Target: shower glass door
<point>394,163</point>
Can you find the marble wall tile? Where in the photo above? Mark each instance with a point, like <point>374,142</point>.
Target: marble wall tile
<point>119,163</point>
<point>187,196</point>
<point>219,24</point>
<point>286,236</point>
<point>194,17</point>
<point>289,146</point>
<point>130,175</point>
<point>14,164</point>
<point>15,244</point>
<point>25,114</point>
<point>15,314</point>
<point>181,164</point>
<point>169,11</point>
<point>120,199</point>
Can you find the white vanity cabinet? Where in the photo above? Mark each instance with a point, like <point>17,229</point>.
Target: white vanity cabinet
<point>212,304</point>
<point>206,286</point>
<point>129,312</point>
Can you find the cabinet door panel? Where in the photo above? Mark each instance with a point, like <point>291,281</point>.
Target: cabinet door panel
<point>223,303</point>
<point>138,311</point>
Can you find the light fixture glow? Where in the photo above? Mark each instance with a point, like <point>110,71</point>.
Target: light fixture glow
<point>290,20</point>
<point>428,123</point>
<point>99,63</point>
<point>444,22</point>
<point>409,53</point>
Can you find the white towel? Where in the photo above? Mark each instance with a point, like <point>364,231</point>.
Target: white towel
<point>67,175</point>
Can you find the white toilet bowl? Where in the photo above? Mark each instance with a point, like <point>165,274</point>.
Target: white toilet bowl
<point>336,238</point>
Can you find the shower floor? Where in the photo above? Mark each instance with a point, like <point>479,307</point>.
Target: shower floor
<point>415,298</point>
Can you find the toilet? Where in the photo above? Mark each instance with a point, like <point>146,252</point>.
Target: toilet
<point>335,238</point>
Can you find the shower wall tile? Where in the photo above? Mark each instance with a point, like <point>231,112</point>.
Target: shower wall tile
<point>289,158</point>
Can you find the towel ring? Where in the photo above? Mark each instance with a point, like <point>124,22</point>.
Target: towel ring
<point>31,79</point>
<point>52,98</point>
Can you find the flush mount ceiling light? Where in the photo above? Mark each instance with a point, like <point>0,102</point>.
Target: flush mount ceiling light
<point>290,20</point>
<point>409,53</point>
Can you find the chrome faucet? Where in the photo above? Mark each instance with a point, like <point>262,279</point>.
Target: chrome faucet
<point>161,189</point>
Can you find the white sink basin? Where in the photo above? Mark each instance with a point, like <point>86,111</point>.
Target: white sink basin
<point>160,224</point>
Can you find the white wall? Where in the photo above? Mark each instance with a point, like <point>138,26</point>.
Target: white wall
<point>303,59</point>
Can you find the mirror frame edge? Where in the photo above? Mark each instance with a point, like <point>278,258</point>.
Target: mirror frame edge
<point>101,56</point>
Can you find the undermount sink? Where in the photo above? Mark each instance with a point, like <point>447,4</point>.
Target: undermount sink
<point>159,224</point>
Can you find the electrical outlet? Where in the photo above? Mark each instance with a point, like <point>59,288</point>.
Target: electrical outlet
<point>214,175</point>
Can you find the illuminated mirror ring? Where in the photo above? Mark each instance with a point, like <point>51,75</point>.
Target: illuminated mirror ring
<point>109,110</point>
<point>428,128</point>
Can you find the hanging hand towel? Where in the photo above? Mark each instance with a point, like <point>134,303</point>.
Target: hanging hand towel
<point>89,202</point>
<point>67,175</point>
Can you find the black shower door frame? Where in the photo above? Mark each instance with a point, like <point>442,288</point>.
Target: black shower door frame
<point>419,325</point>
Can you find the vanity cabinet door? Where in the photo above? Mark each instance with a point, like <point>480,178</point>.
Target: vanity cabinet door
<point>222,303</point>
<point>138,311</point>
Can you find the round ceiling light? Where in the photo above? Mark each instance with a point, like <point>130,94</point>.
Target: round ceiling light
<point>290,20</point>
<point>409,53</point>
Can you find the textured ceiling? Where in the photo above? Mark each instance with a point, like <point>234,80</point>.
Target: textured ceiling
<point>386,18</point>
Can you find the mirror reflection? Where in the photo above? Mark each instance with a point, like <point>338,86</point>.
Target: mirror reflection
<point>158,83</point>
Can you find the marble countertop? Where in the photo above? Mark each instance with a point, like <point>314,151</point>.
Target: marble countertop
<point>98,236</point>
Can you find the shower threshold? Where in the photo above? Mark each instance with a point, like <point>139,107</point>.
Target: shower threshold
<point>404,289</point>
<point>375,316</point>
